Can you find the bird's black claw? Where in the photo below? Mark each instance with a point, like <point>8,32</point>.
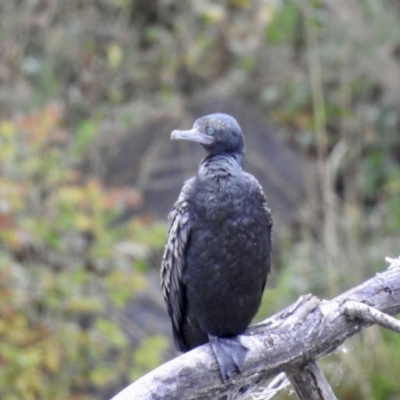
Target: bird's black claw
<point>230,354</point>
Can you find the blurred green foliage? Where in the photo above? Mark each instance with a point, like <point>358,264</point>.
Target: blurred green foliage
<point>342,122</point>
<point>283,26</point>
<point>62,270</point>
<point>74,72</point>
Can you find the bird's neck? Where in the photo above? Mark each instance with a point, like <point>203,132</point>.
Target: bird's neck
<point>221,165</point>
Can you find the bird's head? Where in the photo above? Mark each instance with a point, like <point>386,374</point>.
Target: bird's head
<point>217,133</point>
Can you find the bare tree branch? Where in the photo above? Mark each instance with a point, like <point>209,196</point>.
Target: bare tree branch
<point>279,383</point>
<point>309,383</point>
<point>354,309</point>
<point>305,331</point>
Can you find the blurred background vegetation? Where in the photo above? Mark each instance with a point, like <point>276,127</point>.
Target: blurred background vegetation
<point>89,93</point>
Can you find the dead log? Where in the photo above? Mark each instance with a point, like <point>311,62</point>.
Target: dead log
<point>289,341</point>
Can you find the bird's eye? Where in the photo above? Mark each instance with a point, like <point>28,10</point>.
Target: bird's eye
<point>210,130</point>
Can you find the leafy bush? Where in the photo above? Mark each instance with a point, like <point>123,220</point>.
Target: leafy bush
<point>64,266</point>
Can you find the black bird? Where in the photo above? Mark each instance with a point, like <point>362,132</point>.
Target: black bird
<point>218,252</point>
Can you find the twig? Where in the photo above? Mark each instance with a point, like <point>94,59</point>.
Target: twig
<point>316,329</point>
<point>355,309</point>
<point>279,383</point>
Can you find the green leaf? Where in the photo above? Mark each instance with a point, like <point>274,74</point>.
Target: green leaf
<point>283,26</point>
<point>148,355</point>
<point>86,131</point>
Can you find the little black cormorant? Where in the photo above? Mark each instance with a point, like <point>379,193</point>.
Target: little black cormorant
<point>218,252</point>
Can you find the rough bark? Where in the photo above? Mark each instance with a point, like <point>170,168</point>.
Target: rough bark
<point>304,332</point>
<point>310,383</point>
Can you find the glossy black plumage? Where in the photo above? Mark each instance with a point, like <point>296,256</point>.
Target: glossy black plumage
<point>217,255</point>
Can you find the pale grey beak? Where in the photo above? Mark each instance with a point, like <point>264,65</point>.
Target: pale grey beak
<point>194,135</point>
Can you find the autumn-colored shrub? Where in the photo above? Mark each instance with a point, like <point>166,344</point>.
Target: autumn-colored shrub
<point>64,267</point>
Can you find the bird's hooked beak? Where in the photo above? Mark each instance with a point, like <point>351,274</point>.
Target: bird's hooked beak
<point>194,135</point>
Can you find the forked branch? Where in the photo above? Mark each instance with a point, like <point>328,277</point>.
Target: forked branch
<point>289,341</point>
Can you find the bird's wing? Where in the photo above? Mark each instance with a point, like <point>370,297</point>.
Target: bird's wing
<point>266,208</point>
<point>267,213</point>
<point>268,219</point>
<point>173,264</point>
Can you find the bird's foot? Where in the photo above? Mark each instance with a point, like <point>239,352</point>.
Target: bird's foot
<point>230,354</point>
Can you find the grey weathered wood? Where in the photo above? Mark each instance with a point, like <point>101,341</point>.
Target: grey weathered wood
<point>303,332</point>
<point>355,309</point>
<point>279,383</point>
<point>310,383</point>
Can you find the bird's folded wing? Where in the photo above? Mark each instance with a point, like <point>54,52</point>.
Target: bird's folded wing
<point>260,190</point>
<point>267,215</point>
<point>173,264</point>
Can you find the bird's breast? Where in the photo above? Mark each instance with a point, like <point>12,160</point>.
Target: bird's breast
<point>227,258</point>
<point>229,223</point>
